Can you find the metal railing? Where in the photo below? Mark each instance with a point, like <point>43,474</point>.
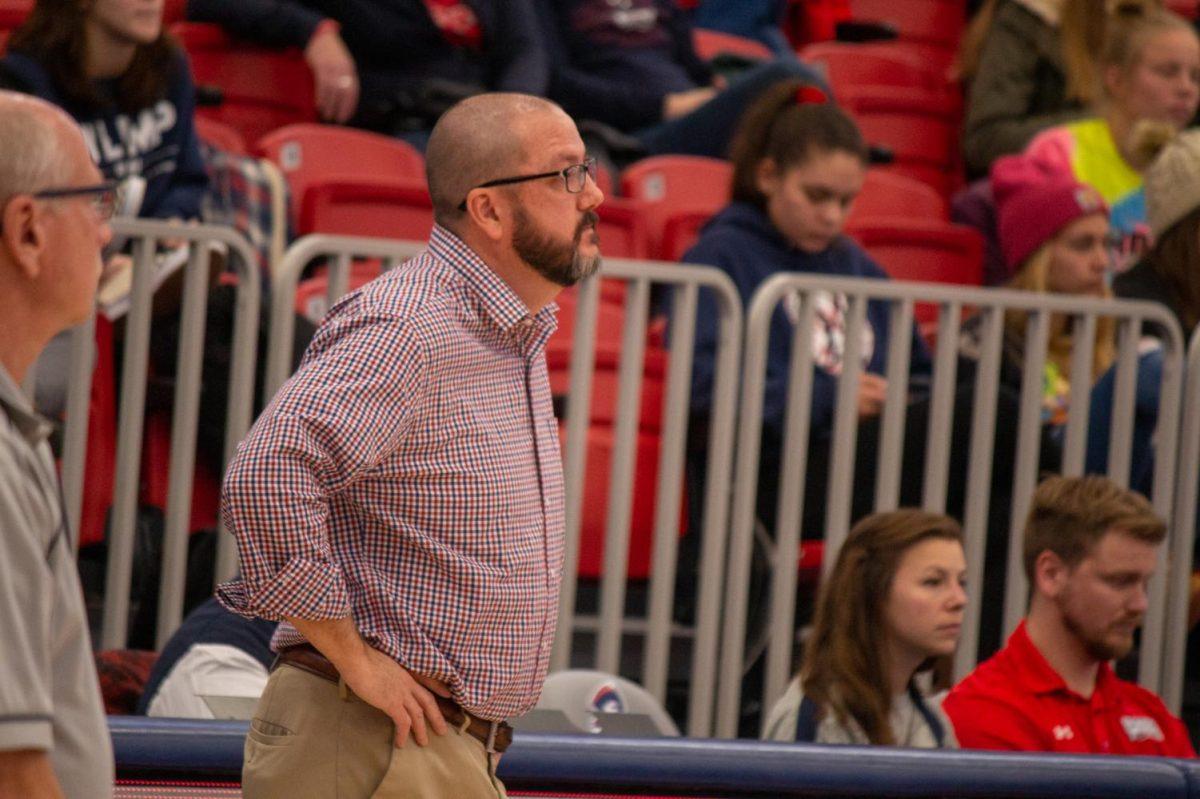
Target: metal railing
<point>639,277</point>
<point>1183,533</point>
<point>902,297</point>
<point>146,237</point>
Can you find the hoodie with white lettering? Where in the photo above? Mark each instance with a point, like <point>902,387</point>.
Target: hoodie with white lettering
<point>157,142</point>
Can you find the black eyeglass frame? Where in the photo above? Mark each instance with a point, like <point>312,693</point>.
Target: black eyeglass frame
<point>588,164</point>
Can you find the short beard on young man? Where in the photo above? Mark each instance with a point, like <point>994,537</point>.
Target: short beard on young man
<point>558,262</point>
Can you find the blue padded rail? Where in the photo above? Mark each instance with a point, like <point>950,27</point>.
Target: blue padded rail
<point>718,768</point>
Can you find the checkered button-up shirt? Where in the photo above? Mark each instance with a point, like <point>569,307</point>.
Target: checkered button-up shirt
<point>409,474</point>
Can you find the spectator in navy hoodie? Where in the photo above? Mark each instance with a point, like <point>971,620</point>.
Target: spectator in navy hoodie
<point>799,163</point>
<point>110,65</point>
<point>630,64</point>
<point>395,48</point>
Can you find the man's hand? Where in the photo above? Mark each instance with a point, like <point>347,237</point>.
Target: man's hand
<point>335,75</point>
<point>681,104</point>
<point>377,679</point>
<point>26,773</point>
<point>383,683</point>
<point>872,393</point>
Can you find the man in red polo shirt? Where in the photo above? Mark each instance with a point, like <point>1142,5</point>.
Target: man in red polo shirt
<point>1090,550</point>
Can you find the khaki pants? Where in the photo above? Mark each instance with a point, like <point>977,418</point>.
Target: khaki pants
<point>313,738</point>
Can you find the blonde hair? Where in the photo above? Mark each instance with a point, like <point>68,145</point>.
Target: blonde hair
<point>1136,22</point>
<point>1034,276</point>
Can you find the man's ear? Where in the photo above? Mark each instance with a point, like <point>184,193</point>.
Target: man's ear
<point>23,234</point>
<point>486,213</point>
<point>1050,574</point>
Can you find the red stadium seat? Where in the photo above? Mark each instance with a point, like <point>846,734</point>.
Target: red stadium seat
<point>936,252</point>
<point>848,65</point>
<point>222,136</point>
<point>392,209</point>
<point>807,21</point>
<point>890,194</point>
<point>156,475</point>
<point>13,13</point>
<point>100,457</point>
<point>936,23</point>
<point>622,229</point>
<point>919,127</point>
<point>261,89</point>
<point>4,41</point>
<point>680,232</point>
<point>595,503</point>
<point>929,251</point>
<point>676,186</point>
<point>709,44</point>
<point>307,153</point>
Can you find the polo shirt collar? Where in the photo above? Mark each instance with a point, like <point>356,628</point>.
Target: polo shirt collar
<point>1039,677</point>
<point>33,428</point>
<point>497,299</point>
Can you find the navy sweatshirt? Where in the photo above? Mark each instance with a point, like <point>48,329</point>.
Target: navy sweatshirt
<point>398,38</point>
<point>742,242</point>
<point>615,64</point>
<point>159,142</point>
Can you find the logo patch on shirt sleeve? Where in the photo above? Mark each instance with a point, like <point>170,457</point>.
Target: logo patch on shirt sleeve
<point>1141,728</point>
<point>1063,732</point>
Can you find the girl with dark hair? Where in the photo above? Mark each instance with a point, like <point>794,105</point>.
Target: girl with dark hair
<point>799,162</point>
<point>111,66</point>
<point>891,608</point>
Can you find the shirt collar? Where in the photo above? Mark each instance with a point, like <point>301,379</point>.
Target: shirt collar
<point>1039,677</point>
<point>497,299</point>
<point>33,427</point>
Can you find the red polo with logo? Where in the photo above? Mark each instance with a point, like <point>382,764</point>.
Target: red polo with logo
<point>1015,701</point>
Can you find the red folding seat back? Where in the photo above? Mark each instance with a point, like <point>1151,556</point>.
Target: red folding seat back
<point>928,251</point>
<point>261,89</point>
<point>622,229</point>
<point>919,127</point>
<point>306,153</point>
<point>390,209</point>
<point>222,136</point>
<point>936,252</point>
<point>851,64</point>
<point>680,232</point>
<point>4,35</point>
<point>595,503</point>
<point>671,186</point>
<point>13,13</point>
<point>156,475</point>
<point>889,194</point>
<point>100,456</point>
<point>937,22</point>
<point>807,21</point>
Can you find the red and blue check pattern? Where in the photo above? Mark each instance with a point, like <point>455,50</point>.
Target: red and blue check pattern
<point>409,474</point>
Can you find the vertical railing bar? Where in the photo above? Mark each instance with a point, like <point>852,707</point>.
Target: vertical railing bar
<point>891,437</point>
<point>75,434</point>
<point>845,435</point>
<point>1121,431</point>
<point>1083,346</point>
<point>941,409</point>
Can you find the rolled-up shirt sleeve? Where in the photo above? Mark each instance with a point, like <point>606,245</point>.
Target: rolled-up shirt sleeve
<point>304,450</point>
<point>27,590</point>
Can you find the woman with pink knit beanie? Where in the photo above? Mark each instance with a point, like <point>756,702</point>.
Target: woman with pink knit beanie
<point>1055,237</point>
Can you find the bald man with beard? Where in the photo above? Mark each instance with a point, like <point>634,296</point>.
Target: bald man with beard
<point>54,210</point>
<point>399,505</point>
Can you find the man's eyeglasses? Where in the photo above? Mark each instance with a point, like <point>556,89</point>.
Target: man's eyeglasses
<point>574,179</point>
<point>104,197</point>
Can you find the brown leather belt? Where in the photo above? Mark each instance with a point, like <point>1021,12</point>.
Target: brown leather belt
<point>494,735</point>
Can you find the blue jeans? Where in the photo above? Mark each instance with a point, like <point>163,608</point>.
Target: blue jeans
<point>1145,418</point>
<point>709,129</point>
